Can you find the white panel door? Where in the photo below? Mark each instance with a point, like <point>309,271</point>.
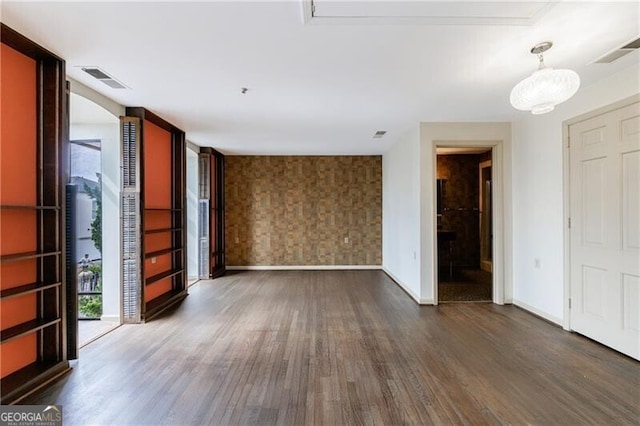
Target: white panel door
<point>605,228</point>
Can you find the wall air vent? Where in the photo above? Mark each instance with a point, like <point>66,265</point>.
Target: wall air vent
<point>379,134</point>
<point>620,52</point>
<point>99,74</point>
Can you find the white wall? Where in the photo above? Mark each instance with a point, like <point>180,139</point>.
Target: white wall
<point>401,213</point>
<point>109,134</point>
<point>538,193</point>
<point>192,213</point>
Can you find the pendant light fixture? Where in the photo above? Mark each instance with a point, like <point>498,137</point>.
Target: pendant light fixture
<point>545,88</point>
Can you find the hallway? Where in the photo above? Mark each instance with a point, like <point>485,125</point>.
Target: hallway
<point>342,347</point>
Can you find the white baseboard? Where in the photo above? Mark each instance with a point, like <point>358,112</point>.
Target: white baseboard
<point>303,267</point>
<point>538,312</point>
<point>110,318</point>
<point>407,289</point>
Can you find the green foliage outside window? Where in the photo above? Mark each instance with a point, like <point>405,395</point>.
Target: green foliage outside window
<point>90,306</point>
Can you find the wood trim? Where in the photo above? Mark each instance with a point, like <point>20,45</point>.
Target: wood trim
<point>27,289</point>
<point>22,44</point>
<point>177,211</point>
<point>23,382</point>
<point>144,114</point>
<point>49,325</point>
<point>160,304</point>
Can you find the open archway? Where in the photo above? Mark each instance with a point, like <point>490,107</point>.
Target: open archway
<point>93,185</point>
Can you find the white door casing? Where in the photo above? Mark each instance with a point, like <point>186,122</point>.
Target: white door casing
<point>486,261</point>
<point>604,200</point>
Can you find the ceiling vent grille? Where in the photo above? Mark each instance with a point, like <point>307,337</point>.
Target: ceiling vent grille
<point>620,52</point>
<point>379,134</point>
<point>102,76</point>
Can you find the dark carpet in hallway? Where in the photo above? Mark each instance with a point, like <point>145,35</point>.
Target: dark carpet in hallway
<point>466,285</point>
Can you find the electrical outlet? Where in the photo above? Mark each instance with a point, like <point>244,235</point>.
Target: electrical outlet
<point>346,240</point>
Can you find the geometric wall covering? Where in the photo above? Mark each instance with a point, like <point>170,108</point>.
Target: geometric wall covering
<point>303,210</point>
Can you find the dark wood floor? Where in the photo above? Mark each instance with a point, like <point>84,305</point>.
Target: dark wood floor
<point>325,347</point>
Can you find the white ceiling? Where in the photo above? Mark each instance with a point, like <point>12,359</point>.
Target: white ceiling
<point>315,89</point>
<point>84,111</point>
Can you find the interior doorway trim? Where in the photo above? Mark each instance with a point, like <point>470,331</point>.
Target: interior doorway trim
<point>485,265</point>
<point>496,214</point>
<point>496,135</point>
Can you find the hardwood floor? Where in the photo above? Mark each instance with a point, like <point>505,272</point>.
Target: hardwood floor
<point>342,347</point>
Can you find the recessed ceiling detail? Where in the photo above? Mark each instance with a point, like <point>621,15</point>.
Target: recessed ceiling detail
<point>102,76</point>
<point>454,12</point>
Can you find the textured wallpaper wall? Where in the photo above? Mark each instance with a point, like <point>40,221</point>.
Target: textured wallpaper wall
<point>461,202</point>
<point>292,210</point>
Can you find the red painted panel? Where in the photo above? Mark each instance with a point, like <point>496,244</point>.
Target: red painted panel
<point>157,166</point>
<point>25,346</point>
<point>18,165</point>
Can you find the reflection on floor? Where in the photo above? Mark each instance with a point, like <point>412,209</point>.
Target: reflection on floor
<point>90,330</point>
<point>466,285</point>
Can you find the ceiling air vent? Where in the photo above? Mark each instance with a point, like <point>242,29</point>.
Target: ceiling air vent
<point>379,134</point>
<point>99,74</point>
<point>620,52</point>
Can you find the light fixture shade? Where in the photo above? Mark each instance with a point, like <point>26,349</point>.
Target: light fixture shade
<point>544,89</point>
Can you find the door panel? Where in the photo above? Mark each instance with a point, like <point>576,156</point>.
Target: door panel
<point>593,189</point>
<point>631,300</point>
<point>605,231</point>
<point>593,293</point>
<point>631,201</point>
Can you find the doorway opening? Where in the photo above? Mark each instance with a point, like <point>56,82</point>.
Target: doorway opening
<point>94,145</point>
<point>464,224</point>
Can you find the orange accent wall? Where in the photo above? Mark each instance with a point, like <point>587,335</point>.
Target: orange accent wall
<point>163,264</point>
<point>157,220</point>
<point>18,165</point>
<point>157,166</point>
<point>157,193</point>
<point>14,274</point>
<point>18,228</point>
<point>157,289</point>
<point>24,346</point>
<point>17,310</point>
<point>18,133</point>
